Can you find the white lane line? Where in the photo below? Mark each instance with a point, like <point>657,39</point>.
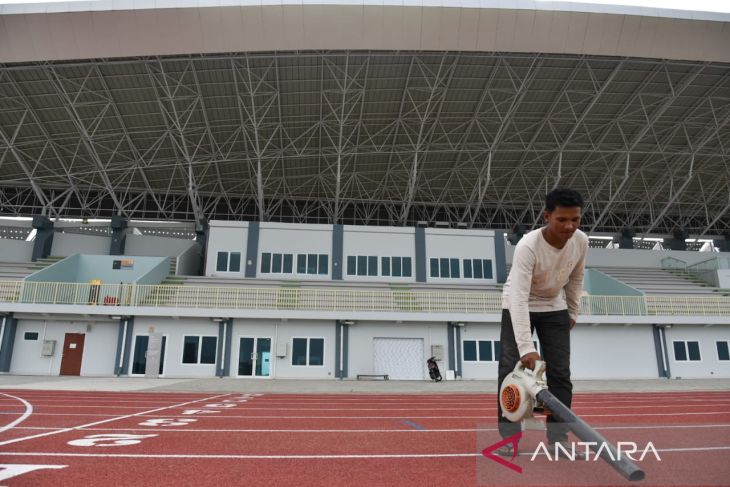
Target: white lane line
<point>64,430</point>
<point>376,430</point>
<point>303,456</point>
<point>28,412</point>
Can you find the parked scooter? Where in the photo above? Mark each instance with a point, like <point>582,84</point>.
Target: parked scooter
<point>433,369</point>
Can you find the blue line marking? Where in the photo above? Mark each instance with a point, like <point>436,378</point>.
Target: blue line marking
<point>414,425</point>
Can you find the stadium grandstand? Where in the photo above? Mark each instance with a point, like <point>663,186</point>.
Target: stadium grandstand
<point>327,190</point>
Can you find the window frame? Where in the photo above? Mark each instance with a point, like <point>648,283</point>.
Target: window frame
<point>685,344</point>
<point>308,351</point>
<point>199,350</point>
<point>229,255</point>
<point>37,336</point>
<point>494,347</point>
<point>717,349</point>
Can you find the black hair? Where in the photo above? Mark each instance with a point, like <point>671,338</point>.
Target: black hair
<point>563,197</point>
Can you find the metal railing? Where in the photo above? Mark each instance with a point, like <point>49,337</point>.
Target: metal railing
<point>712,264</point>
<point>322,299</point>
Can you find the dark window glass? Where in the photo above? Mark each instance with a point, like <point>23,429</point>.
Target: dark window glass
<point>372,265</point>
<point>351,267</point>
<point>397,267</point>
<point>301,264</point>
<point>311,263</point>
<point>276,264</point>
<point>477,267</point>
<point>299,351</point>
<point>222,264</point>
<point>407,267</point>
<point>385,266</point>
<point>265,263</point>
<point>722,351</point>
<point>190,350</point>
<point>487,268</point>
<point>485,351</point>
<point>694,350</point>
<point>288,263</point>
<point>323,263</point>
<point>139,356</point>
<point>162,355</point>
<point>455,268</point>
<point>316,351</point>
<point>207,353</point>
<point>30,335</point>
<point>235,265</point>
<point>444,267</point>
<point>497,350</point>
<point>362,265</point>
<point>470,351</point>
<point>467,268</point>
<point>434,267</point>
<point>680,352</point>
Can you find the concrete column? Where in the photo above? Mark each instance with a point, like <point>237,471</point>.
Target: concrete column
<point>43,237</point>
<point>8,326</point>
<point>119,235</point>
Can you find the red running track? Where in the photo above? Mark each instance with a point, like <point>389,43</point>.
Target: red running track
<point>95,438</point>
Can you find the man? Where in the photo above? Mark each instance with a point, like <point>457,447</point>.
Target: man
<point>542,294</point>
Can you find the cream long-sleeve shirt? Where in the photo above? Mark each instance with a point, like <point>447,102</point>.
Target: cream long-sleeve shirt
<point>543,278</point>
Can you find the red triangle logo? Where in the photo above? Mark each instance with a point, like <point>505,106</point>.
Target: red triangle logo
<point>514,440</point>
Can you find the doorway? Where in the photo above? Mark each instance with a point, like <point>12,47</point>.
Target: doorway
<point>254,357</point>
<point>141,353</point>
<point>73,351</point>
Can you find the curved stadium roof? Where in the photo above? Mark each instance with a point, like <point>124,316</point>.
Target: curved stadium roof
<point>378,130</point>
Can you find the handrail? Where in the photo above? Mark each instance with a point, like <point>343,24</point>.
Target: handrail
<point>711,264</point>
<point>324,299</point>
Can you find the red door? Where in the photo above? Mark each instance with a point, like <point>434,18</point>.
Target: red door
<point>73,350</point>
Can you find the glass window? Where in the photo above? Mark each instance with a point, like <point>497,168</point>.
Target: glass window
<point>301,264</point>
<point>265,263</point>
<point>722,351</point>
<point>434,267</point>
<point>407,267</point>
<point>470,351</point>
<point>485,351</point>
<point>316,351</point>
<point>235,264</point>
<point>497,350</point>
<point>396,266</point>
<point>222,264</point>
<point>444,267</point>
<point>190,350</point>
<point>30,335</point>
<point>362,265</point>
<point>385,266</point>
<point>351,267</point>
<point>276,264</point>
<point>487,264</point>
<point>299,351</point>
<point>311,263</point>
<point>680,352</point>
<point>288,263</point>
<point>467,268</point>
<point>207,351</point>
<point>455,269</point>
<point>694,350</point>
<point>477,267</point>
<point>323,264</point>
<point>372,265</point>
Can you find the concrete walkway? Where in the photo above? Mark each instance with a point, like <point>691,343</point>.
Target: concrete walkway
<point>303,386</point>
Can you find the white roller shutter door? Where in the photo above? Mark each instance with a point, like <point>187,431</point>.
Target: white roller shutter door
<point>400,358</point>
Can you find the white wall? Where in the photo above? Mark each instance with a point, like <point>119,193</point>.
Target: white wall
<point>479,331</point>
<point>461,244</point>
<point>360,359</point>
<point>291,238</point>
<point>99,347</point>
<point>381,242</point>
<point>15,250</point>
<point>151,246</point>
<point>709,366</point>
<point>613,352</point>
<point>226,237</point>
<point>65,244</point>
<point>723,278</point>
<point>175,330</point>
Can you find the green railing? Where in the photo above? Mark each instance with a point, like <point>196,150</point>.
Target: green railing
<point>322,299</point>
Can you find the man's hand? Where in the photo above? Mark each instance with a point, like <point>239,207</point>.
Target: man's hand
<point>572,323</point>
<point>528,360</point>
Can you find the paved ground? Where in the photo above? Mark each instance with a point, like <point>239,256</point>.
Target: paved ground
<point>294,386</point>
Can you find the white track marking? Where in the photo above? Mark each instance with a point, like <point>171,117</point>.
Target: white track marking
<point>64,430</point>
<point>28,412</point>
<point>303,456</point>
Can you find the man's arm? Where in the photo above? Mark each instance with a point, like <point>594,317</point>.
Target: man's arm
<point>523,264</point>
<point>574,288</point>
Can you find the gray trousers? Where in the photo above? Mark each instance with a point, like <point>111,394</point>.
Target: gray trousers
<point>553,330</point>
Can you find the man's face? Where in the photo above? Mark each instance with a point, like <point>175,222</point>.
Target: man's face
<point>563,222</point>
